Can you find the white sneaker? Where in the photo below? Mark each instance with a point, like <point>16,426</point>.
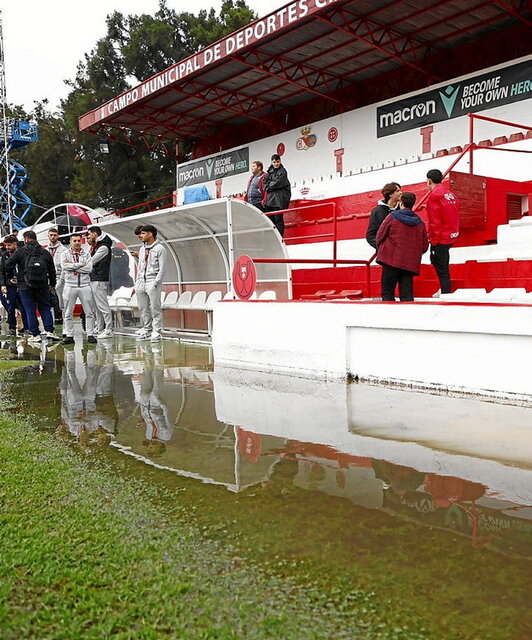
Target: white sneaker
<point>155,337</point>
<point>143,335</point>
<point>34,340</point>
<point>139,332</point>
<point>106,333</point>
<point>49,335</point>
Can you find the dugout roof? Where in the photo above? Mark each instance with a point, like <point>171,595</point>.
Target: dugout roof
<point>309,60</point>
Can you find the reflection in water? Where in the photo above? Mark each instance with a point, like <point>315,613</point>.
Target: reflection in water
<point>166,406</point>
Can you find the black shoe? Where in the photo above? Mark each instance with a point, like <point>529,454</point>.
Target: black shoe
<point>12,332</point>
<point>67,340</point>
<point>92,340</point>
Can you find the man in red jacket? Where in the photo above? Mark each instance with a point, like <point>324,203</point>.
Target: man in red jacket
<point>443,212</point>
<point>401,241</point>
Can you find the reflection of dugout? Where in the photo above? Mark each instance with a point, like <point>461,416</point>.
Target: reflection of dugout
<point>152,407</point>
<point>87,405</point>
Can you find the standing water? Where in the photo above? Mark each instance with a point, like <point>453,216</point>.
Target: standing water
<point>402,495</point>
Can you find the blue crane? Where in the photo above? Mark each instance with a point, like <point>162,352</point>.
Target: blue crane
<point>19,134</point>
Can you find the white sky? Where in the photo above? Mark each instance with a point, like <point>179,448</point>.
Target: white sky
<point>45,39</point>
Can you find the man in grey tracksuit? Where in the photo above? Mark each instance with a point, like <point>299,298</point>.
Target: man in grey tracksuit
<point>151,267</point>
<point>101,265</point>
<point>76,266</point>
<point>56,250</point>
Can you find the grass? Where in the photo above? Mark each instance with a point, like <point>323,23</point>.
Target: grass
<point>100,546</point>
<point>87,554</point>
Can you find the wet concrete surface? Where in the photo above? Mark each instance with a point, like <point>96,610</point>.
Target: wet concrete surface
<point>357,480</point>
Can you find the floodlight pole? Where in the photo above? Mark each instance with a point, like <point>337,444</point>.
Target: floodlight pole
<point>5,126</point>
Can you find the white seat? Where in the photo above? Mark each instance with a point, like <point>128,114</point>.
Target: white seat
<point>198,301</point>
<point>214,297</point>
<point>184,300</point>
<point>463,295</point>
<point>127,303</point>
<point>502,294</point>
<point>229,296</point>
<point>268,295</point>
<point>170,302</point>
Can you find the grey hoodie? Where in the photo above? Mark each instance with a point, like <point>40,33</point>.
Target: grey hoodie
<point>152,263</point>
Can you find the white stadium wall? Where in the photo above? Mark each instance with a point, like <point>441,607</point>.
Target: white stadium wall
<point>356,134</point>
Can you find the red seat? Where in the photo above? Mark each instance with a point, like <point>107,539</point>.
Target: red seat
<point>514,137</point>
<point>318,295</point>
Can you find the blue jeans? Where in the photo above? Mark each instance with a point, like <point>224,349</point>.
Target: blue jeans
<point>9,301</point>
<point>33,299</point>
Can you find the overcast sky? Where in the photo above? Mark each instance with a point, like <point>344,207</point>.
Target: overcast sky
<point>45,39</point>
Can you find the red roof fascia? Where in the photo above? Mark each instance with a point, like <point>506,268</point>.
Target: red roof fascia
<point>288,15</point>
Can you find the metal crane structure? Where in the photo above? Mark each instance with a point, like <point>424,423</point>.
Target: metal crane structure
<point>14,134</point>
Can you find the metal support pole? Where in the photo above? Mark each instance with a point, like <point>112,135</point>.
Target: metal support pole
<point>5,127</point>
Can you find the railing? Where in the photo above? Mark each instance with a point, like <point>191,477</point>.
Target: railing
<point>471,146</point>
<point>334,234</point>
<point>149,203</point>
<point>335,262</point>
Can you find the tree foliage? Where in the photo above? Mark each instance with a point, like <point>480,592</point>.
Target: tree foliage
<point>67,165</point>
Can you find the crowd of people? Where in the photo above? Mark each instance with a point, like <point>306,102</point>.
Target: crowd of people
<point>400,237</point>
<point>51,280</point>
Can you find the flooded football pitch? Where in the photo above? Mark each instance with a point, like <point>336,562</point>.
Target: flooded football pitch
<point>400,494</point>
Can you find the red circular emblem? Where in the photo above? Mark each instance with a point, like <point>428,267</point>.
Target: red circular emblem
<point>281,149</point>
<point>244,277</point>
<point>332,134</point>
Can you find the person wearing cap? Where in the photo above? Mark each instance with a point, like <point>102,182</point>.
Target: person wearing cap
<point>278,192</point>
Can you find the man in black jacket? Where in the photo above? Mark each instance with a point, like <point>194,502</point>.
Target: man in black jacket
<point>101,264</point>
<point>278,192</point>
<point>391,194</point>
<point>36,276</point>
<point>8,284</point>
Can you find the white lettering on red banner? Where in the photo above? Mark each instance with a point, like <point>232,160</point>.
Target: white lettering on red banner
<point>226,47</point>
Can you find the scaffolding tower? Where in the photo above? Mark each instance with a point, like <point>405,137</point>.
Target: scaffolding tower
<point>14,134</point>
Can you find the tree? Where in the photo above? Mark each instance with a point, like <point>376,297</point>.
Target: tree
<point>67,165</point>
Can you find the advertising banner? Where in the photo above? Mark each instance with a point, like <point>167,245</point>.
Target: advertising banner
<point>226,164</point>
<point>485,91</point>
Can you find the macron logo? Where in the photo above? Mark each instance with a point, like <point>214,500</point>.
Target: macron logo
<point>448,97</point>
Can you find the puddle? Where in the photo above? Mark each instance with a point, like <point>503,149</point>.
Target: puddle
<point>402,490</point>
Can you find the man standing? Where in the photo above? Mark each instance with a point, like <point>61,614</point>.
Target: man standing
<point>443,212</point>
<point>391,194</point>
<point>152,261</point>
<point>255,193</point>
<point>101,264</point>
<point>35,278</point>
<point>278,192</point>
<point>76,265</point>
<point>8,283</point>
<point>56,250</point>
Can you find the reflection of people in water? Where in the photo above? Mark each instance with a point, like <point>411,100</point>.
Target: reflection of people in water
<point>154,412</point>
<point>87,404</point>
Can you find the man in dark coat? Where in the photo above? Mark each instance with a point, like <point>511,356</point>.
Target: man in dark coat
<point>401,241</point>
<point>391,194</point>
<point>278,192</point>
<point>35,263</point>
<point>8,284</point>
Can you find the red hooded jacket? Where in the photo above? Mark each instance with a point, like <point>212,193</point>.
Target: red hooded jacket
<point>443,212</point>
<point>402,240</point>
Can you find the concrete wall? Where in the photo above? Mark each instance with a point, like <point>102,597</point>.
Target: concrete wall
<point>476,349</point>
